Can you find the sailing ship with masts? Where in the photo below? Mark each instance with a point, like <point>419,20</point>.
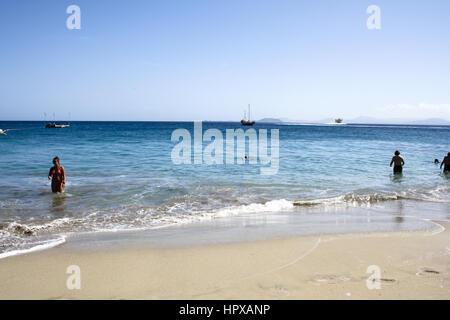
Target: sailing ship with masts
<point>246,121</point>
<point>55,124</point>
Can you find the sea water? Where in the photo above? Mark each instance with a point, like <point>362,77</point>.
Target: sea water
<point>121,177</point>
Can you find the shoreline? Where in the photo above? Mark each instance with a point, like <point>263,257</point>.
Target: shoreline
<point>399,215</point>
<point>413,265</point>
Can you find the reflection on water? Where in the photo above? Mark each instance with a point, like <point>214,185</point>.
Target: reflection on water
<point>397,177</point>
<point>58,203</point>
<point>399,213</point>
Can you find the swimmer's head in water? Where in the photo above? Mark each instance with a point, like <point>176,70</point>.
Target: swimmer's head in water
<point>56,160</point>
<point>436,161</point>
<point>397,153</point>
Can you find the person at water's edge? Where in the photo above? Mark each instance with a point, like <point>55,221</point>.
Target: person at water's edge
<point>58,176</point>
<point>398,162</point>
<point>446,163</point>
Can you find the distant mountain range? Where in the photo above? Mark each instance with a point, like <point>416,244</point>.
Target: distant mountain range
<point>361,120</point>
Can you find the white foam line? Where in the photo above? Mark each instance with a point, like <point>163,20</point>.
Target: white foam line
<point>441,228</point>
<point>33,249</point>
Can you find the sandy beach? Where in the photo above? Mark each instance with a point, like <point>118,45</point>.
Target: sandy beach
<point>412,265</point>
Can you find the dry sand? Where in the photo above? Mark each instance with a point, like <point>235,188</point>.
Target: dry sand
<point>413,265</point>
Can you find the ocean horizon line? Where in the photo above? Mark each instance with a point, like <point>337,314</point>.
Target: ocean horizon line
<point>237,121</point>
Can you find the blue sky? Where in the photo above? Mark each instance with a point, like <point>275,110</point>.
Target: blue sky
<point>207,59</point>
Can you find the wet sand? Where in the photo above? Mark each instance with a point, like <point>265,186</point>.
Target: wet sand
<point>412,265</point>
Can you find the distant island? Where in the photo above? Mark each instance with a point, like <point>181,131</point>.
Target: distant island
<point>271,120</point>
<point>361,120</point>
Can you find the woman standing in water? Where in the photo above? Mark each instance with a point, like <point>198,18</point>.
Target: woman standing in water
<point>58,176</point>
<point>398,162</point>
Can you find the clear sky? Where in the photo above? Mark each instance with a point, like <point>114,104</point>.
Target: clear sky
<point>208,59</point>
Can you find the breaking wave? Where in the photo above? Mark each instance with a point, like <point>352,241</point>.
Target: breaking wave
<point>17,237</point>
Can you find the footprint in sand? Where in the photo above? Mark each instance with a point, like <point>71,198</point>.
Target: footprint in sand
<point>384,280</point>
<point>426,271</point>
<point>388,280</point>
<point>276,290</point>
<point>330,278</point>
<point>325,278</point>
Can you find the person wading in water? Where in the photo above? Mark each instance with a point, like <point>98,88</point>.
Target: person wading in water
<point>58,176</point>
<point>446,163</point>
<point>398,163</point>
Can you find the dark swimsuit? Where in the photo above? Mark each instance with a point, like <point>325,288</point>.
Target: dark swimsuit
<point>398,169</point>
<point>447,168</point>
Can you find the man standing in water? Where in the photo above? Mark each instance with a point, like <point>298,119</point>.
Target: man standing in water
<point>58,176</point>
<point>398,162</point>
<point>446,163</point>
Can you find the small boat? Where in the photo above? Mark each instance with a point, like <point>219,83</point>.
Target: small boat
<point>4,131</point>
<point>247,122</point>
<point>57,125</point>
<point>337,122</point>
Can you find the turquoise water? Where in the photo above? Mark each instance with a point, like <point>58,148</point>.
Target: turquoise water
<point>120,176</point>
